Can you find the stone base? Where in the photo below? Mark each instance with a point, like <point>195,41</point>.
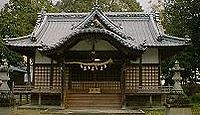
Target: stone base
<point>7,100</point>
<point>178,111</point>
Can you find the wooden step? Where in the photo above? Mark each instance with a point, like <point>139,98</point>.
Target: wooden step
<point>100,101</point>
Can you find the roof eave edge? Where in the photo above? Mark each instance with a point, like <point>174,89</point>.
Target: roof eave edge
<point>17,38</point>
<point>176,38</point>
<point>38,29</point>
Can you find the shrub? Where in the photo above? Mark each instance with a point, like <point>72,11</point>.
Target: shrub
<point>195,98</point>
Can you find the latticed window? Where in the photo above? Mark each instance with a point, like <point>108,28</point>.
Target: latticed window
<point>56,76</point>
<point>150,75</point>
<point>132,77</point>
<point>43,78</point>
<point>42,75</point>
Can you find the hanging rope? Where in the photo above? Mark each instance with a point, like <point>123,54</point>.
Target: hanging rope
<point>96,65</point>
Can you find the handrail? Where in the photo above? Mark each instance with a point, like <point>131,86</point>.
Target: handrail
<point>137,89</point>
<point>41,88</point>
<point>151,89</point>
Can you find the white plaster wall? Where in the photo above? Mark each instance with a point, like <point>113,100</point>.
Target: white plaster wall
<point>150,56</point>
<point>82,46</point>
<point>135,61</point>
<point>39,58</point>
<point>103,45</point>
<point>86,45</point>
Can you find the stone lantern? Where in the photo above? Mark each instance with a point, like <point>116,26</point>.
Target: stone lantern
<point>177,78</point>
<point>4,77</point>
<point>178,102</point>
<point>6,96</point>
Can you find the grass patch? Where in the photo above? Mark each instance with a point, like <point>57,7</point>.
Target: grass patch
<point>25,112</point>
<point>196,109</point>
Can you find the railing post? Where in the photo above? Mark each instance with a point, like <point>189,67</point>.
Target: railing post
<point>26,98</point>
<point>150,100</point>
<point>39,99</point>
<point>13,85</point>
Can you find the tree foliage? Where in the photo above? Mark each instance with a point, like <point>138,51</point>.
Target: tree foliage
<point>182,18</point>
<point>106,5</point>
<point>18,18</point>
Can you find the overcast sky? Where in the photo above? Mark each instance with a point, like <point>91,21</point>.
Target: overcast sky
<point>2,2</point>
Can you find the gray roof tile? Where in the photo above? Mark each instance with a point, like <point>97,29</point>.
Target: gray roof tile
<point>131,29</point>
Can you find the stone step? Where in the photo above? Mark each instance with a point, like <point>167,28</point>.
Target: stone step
<point>95,112</point>
<point>106,112</point>
<point>102,101</point>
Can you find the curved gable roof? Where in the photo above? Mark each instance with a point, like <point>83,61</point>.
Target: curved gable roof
<point>135,30</point>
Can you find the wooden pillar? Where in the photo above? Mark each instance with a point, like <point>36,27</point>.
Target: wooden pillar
<point>28,70</point>
<point>140,71</point>
<point>159,67</point>
<point>62,84</point>
<point>70,78</point>
<point>67,83</point>
<point>67,77</point>
<point>33,83</point>
<point>51,73</point>
<point>39,99</point>
<point>123,85</point>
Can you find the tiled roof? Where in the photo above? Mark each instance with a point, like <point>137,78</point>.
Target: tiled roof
<point>133,29</point>
<point>24,41</point>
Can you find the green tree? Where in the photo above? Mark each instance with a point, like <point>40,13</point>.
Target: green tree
<point>18,18</point>
<point>182,18</point>
<point>106,5</point>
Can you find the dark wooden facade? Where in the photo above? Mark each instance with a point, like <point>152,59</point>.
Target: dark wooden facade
<point>108,60</point>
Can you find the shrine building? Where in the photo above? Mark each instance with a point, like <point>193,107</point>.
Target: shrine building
<point>97,59</point>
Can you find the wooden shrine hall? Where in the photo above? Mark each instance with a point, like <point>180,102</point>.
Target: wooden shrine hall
<point>96,60</point>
